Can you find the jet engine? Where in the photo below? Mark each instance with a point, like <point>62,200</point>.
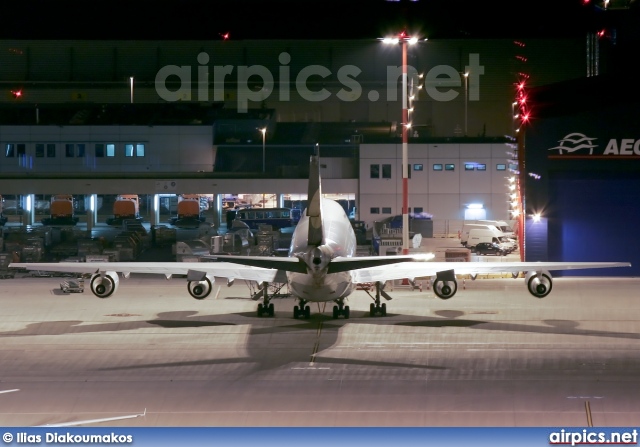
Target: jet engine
<point>444,285</point>
<point>538,283</point>
<point>103,285</point>
<point>201,289</point>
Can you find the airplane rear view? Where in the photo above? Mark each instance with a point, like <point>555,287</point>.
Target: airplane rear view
<point>321,266</point>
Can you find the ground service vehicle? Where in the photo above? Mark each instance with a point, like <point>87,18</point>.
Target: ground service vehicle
<point>276,217</point>
<point>126,207</point>
<point>61,211</point>
<point>188,211</point>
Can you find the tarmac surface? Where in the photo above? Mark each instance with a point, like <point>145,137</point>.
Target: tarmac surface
<point>493,355</point>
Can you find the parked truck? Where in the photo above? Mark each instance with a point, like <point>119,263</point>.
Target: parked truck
<point>189,214</point>
<point>126,207</point>
<point>61,211</point>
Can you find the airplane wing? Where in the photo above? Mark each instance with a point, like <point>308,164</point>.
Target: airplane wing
<point>215,269</point>
<point>412,270</point>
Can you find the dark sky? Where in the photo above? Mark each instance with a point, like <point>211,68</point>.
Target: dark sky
<point>294,19</point>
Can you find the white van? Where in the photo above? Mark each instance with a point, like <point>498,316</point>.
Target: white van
<point>500,225</point>
<point>478,235</point>
<point>467,227</point>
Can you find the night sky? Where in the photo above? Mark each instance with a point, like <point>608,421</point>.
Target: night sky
<point>297,19</point>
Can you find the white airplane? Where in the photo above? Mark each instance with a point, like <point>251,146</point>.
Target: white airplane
<point>321,266</point>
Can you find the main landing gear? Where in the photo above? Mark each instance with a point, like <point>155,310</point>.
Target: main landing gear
<point>341,310</point>
<point>376,308</point>
<point>266,307</point>
<point>302,310</point>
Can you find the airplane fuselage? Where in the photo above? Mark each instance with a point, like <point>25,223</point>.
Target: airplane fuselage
<point>339,240</point>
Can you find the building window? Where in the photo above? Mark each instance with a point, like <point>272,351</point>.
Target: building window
<point>375,210</point>
<point>99,150</point>
<point>386,210</point>
<point>437,167</point>
<point>469,167</point>
<point>374,171</point>
<point>386,171</point>
<point>481,167</point>
<point>418,209</point>
<point>501,167</point>
<point>15,150</point>
<point>134,150</point>
<point>39,150</point>
<point>111,150</point>
<point>449,167</point>
<point>80,149</point>
<point>69,150</point>
<point>418,167</point>
<point>51,150</point>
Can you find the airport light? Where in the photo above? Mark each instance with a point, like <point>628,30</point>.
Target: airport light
<point>466,100</point>
<point>403,39</point>
<point>131,87</point>
<point>264,135</point>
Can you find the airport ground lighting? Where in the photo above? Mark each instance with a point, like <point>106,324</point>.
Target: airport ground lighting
<point>404,39</point>
<point>264,136</point>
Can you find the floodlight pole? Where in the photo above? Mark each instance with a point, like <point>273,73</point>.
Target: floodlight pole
<point>405,150</point>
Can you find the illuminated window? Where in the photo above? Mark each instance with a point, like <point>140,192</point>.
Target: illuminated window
<point>139,150</point>
<point>501,167</point>
<point>469,167</point>
<point>128,150</point>
<point>418,167</point>
<point>481,167</point>
<point>111,150</point>
<point>449,167</point>
<point>437,167</point>
<point>15,150</point>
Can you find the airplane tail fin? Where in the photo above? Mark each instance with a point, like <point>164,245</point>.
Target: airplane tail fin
<point>314,210</point>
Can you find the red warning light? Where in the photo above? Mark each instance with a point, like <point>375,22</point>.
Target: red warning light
<point>16,93</point>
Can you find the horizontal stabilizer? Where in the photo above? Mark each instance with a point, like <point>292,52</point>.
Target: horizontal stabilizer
<point>287,264</point>
<point>346,264</point>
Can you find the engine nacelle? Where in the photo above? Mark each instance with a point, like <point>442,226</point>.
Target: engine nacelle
<point>539,283</point>
<point>444,289</point>
<point>201,289</point>
<point>103,285</point>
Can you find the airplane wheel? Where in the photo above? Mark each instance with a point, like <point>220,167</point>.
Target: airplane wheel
<point>383,309</point>
<point>272,310</point>
<point>296,312</point>
<point>372,310</point>
<point>345,312</point>
<point>307,312</point>
<point>260,309</point>
<point>335,312</point>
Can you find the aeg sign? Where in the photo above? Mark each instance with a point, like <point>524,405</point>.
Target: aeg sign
<point>578,145</point>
